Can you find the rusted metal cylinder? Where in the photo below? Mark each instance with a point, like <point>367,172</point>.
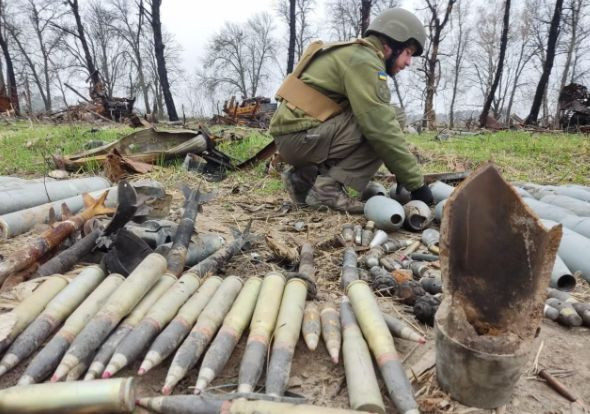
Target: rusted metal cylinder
<point>311,327</point>
<point>261,327</point>
<point>121,303</point>
<point>25,312</point>
<point>418,215</point>
<point>66,259</point>
<point>48,358</point>
<point>374,328</point>
<point>387,214</point>
<point>58,309</point>
<point>234,325</point>
<point>105,396</point>
<point>561,277</point>
<point>202,333</point>
<point>361,382</point>
<point>372,257</point>
<point>169,339</point>
<point>331,331</point>
<point>286,335</point>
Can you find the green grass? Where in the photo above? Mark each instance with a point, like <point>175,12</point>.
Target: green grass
<point>24,146</point>
<point>537,157</point>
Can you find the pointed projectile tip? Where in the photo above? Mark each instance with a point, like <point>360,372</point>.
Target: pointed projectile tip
<point>140,371</point>
<point>166,390</point>
<point>106,375</point>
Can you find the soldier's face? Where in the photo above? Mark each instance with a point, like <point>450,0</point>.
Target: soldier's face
<point>403,60</point>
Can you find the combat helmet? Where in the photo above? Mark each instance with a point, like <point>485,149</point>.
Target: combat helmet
<point>400,25</point>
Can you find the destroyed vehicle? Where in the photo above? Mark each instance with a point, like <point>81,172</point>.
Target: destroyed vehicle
<point>574,104</point>
<point>253,112</point>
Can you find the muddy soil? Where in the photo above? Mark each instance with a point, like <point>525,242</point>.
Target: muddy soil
<point>565,352</point>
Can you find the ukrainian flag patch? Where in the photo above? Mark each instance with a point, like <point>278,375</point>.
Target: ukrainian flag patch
<point>382,75</point>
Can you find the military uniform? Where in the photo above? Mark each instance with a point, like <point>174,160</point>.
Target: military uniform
<point>351,145</point>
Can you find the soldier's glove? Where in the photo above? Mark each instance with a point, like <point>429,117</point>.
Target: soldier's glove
<point>423,194</point>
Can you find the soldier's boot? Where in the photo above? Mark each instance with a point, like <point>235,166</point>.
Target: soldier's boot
<point>298,182</point>
<point>327,192</point>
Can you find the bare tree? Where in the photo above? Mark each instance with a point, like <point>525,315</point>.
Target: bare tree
<point>551,43</point>
<point>438,19</point>
<point>365,15</point>
<point>161,60</point>
<point>304,31</point>
<point>500,65</point>
<point>237,56</point>
<point>292,35</point>
<point>11,78</point>
<point>346,16</point>
<point>461,39</point>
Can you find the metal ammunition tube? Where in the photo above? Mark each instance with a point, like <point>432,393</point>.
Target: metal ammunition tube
<point>201,335</point>
<point>311,327</point>
<point>379,237</point>
<point>580,225</point>
<point>358,234</point>
<point>579,207</point>
<point>419,269</point>
<point>59,308</point>
<point>26,311</point>
<point>331,331</point>
<point>169,339</point>
<point>286,335</point>
<point>372,257</point>
<point>400,330</point>
<point>561,277</point>
<point>418,215</point>
<point>123,300</point>
<point>261,327</point>
<point>389,263</point>
<point>234,325</point>
<point>375,330</point>
<point>110,396</point>
<point>583,310</point>
<point>361,382</point>
<point>430,238</point>
<point>349,267</point>
<point>48,358</point>
<point>347,232</point>
<point>366,237</point>
<point>572,250</point>
<point>392,245</point>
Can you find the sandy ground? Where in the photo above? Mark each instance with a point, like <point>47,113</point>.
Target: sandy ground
<point>565,352</point>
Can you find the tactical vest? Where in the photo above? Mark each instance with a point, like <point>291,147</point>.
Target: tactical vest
<point>297,94</point>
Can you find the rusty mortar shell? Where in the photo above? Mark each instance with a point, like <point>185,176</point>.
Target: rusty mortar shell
<point>26,311</point>
<point>58,309</point>
<point>379,237</point>
<point>567,314</point>
<point>48,358</point>
<point>171,337</point>
<point>387,214</point>
<point>361,382</point>
<point>261,327</point>
<point>418,215</point>
<point>331,331</point>
<point>120,304</point>
<point>374,328</point>
<point>163,284</point>
<point>371,258</point>
<point>400,329</point>
<point>311,327</point>
<point>347,232</point>
<point>111,396</point>
<point>550,312</point>
<point>583,310</point>
<point>373,188</point>
<point>286,336</point>
<point>358,234</point>
<point>234,325</point>
<point>162,312</point>
<point>208,323</point>
<point>393,245</point>
<point>431,284</point>
<point>190,404</point>
<point>349,270</point>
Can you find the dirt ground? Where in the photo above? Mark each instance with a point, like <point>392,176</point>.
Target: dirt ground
<point>565,352</point>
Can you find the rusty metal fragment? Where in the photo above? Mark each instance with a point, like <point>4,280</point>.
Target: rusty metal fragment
<point>496,260</point>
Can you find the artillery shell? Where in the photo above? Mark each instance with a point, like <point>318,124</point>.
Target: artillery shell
<point>58,309</point>
<point>372,257</point>
<point>550,312</point>
<point>390,263</point>
<point>379,237</point>
<point>48,358</point>
<point>383,282</point>
<point>418,215</point>
<point>431,284</point>
<point>311,327</point>
<point>358,234</point>
<point>201,335</point>
<point>25,312</point>
<point>361,382</point>
<point>331,332</point>
<point>234,325</point>
<point>567,314</point>
<point>374,328</point>
<point>263,322</point>
<point>347,232</point>
<point>583,310</point>
<point>169,339</point>
<point>394,245</point>
<point>400,330</point>
<point>131,291</point>
<point>349,268</point>
<point>286,335</point>
<point>366,237</point>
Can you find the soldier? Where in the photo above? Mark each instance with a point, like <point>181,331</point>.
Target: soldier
<point>335,124</point>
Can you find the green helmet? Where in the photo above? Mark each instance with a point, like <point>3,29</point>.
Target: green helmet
<point>400,25</point>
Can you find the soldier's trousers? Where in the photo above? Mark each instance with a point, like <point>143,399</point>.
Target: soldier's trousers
<point>336,148</point>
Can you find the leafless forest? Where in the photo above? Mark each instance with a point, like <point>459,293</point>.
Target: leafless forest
<point>498,58</point>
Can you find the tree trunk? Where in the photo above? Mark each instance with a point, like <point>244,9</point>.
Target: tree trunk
<point>365,15</point>
<point>90,67</point>
<point>11,78</point>
<point>161,61</point>
<point>292,34</point>
<point>542,85</point>
<point>503,42</point>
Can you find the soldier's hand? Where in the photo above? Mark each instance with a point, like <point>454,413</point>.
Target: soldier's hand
<point>423,194</point>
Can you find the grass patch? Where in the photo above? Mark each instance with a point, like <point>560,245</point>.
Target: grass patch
<point>541,158</point>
